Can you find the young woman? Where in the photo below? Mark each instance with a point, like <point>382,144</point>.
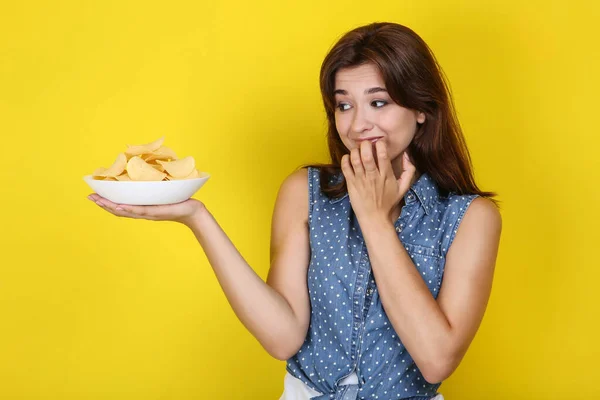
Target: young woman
<point>382,261</point>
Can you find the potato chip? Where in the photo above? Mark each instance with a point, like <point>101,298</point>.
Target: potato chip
<point>163,153</point>
<point>139,149</point>
<point>123,177</point>
<point>179,168</point>
<point>97,172</point>
<point>140,170</point>
<point>149,162</point>
<point>116,169</point>
<point>157,167</point>
<point>194,174</point>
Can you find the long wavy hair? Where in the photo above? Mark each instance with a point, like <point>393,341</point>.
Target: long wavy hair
<point>414,80</point>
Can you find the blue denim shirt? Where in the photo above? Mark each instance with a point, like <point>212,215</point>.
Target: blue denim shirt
<point>349,330</point>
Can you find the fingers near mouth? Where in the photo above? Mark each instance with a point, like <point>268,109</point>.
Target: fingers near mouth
<point>375,156</point>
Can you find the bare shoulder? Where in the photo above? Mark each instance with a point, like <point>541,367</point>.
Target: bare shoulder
<point>475,247</point>
<point>290,215</point>
<point>293,194</point>
<point>480,228</point>
<point>483,213</point>
<point>297,180</point>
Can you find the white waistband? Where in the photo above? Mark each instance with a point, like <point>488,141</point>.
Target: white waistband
<point>295,389</point>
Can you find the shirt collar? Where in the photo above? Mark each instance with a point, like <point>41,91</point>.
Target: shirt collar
<point>424,190</point>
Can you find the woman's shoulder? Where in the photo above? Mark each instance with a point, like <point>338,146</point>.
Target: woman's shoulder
<point>456,207</point>
<point>293,193</point>
<point>296,181</point>
<point>481,208</point>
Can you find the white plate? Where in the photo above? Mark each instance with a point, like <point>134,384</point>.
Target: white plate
<point>147,192</point>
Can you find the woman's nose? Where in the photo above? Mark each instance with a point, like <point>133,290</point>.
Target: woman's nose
<point>360,122</point>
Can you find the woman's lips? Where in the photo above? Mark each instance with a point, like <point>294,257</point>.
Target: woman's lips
<point>371,139</point>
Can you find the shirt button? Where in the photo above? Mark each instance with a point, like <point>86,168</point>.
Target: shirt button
<point>359,289</point>
<point>398,229</point>
<point>370,291</point>
<point>411,196</point>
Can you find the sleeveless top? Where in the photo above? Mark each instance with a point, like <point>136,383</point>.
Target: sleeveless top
<point>349,331</point>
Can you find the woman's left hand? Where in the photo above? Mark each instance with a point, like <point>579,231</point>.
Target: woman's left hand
<point>374,190</point>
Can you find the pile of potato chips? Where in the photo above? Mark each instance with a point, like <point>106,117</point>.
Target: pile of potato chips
<point>148,162</point>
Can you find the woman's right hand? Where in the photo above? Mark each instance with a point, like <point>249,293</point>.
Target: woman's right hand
<point>183,212</point>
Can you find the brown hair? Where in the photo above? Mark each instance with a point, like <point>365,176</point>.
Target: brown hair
<point>414,80</point>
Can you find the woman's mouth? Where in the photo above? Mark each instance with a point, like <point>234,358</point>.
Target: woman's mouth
<point>371,139</point>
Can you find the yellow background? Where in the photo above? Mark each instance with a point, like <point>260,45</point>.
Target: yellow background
<point>97,307</point>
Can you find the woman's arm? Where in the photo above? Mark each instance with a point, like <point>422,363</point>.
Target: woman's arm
<point>437,334</point>
<point>277,313</point>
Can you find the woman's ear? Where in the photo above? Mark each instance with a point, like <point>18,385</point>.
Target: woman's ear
<point>420,117</point>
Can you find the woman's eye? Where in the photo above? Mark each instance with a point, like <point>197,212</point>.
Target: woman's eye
<point>378,103</point>
<point>343,106</point>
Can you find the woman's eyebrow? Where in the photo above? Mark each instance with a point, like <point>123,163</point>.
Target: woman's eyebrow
<point>367,91</point>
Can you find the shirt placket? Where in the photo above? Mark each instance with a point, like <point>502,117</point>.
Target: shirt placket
<point>363,294</point>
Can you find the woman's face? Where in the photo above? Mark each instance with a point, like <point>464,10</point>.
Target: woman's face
<point>365,111</point>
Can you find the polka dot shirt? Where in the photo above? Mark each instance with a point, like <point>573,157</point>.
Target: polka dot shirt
<point>349,331</point>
